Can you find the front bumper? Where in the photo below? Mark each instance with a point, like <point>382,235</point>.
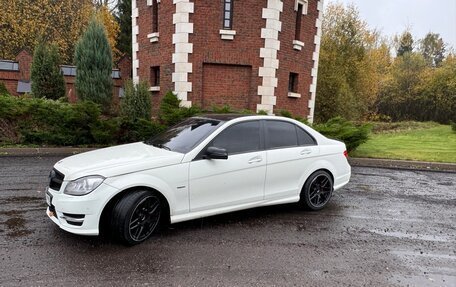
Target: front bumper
<point>79,214</point>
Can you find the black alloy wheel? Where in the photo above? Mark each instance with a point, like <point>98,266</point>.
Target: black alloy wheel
<point>317,190</point>
<point>145,218</point>
<point>136,216</point>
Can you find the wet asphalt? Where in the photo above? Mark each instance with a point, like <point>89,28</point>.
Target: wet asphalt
<point>386,228</point>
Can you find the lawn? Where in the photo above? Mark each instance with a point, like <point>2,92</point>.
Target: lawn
<point>410,141</point>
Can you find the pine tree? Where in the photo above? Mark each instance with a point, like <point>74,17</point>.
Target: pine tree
<point>405,43</point>
<point>93,59</point>
<point>136,102</point>
<point>124,20</point>
<point>47,79</point>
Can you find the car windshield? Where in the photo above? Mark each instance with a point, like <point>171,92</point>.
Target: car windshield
<point>184,136</point>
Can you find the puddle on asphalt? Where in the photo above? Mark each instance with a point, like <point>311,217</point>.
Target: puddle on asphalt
<point>415,236</point>
<point>15,226</point>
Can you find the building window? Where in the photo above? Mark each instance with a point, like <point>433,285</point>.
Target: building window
<point>155,76</point>
<point>154,16</point>
<point>293,83</point>
<point>298,22</point>
<point>228,14</point>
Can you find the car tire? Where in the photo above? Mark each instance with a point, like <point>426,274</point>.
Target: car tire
<point>136,216</point>
<point>317,191</point>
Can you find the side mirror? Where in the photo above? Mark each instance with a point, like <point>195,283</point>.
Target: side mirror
<point>213,152</point>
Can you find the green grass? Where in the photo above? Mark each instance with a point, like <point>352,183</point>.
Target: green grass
<point>410,141</point>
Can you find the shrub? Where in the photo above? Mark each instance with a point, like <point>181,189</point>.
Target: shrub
<point>453,126</point>
<point>138,130</point>
<point>93,59</point>
<point>338,128</point>
<point>136,103</point>
<point>285,113</point>
<point>47,80</point>
<point>171,112</point>
<point>225,109</point>
<point>3,89</point>
<point>262,112</point>
<point>47,122</point>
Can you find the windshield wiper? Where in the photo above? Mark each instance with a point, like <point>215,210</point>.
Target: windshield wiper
<point>161,146</point>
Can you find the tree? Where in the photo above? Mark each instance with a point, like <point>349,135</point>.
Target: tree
<point>404,43</point>
<point>352,64</point>
<point>400,96</point>
<point>136,102</point>
<point>437,92</point>
<point>433,49</point>
<point>47,79</point>
<point>93,58</point>
<point>23,23</point>
<point>112,29</point>
<point>124,20</point>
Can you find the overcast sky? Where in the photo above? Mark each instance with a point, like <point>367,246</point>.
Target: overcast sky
<point>392,17</point>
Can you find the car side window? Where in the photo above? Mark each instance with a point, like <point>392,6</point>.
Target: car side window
<point>239,138</point>
<point>304,138</point>
<point>280,134</point>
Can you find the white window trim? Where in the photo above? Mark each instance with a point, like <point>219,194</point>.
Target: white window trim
<point>227,34</point>
<point>298,45</point>
<point>153,37</point>
<point>305,5</point>
<point>293,95</point>
<point>150,2</point>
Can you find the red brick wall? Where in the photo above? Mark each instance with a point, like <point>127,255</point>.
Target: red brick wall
<point>157,53</point>
<point>291,60</point>
<point>226,84</point>
<point>209,50</point>
<point>10,79</point>
<point>208,47</point>
<point>25,62</point>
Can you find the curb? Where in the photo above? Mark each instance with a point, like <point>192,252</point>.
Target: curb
<point>44,151</point>
<point>403,164</point>
<point>361,162</point>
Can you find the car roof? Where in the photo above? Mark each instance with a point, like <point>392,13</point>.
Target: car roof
<point>223,117</point>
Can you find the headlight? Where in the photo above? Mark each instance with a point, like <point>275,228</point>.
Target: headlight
<point>83,185</point>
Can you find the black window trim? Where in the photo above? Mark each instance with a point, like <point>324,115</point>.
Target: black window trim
<point>200,155</point>
<point>266,135</point>
<point>230,19</point>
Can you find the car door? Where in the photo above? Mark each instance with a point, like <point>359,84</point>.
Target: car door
<point>215,183</point>
<point>290,150</point>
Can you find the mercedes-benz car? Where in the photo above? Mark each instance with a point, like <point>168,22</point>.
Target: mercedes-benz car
<point>203,166</point>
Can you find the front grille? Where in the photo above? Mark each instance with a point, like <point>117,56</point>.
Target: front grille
<point>56,179</point>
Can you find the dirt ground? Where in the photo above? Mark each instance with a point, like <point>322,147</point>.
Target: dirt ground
<point>386,228</point>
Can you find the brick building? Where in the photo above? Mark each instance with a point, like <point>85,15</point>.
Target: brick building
<point>249,54</point>
<point>15,75</point>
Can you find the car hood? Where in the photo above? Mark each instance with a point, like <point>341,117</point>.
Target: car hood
<point>117,160</point>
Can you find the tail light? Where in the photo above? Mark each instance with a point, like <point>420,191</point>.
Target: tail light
<point>346,154</point>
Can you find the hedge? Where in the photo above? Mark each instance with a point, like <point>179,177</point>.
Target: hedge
<point>25,120</point>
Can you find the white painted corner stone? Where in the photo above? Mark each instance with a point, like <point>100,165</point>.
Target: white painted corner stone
<point>270,34</point>
<point>134,39</point>
<point>182,48</point>
<point>315,58</point>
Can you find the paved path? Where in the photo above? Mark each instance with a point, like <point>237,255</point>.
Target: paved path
<point>386,228</point>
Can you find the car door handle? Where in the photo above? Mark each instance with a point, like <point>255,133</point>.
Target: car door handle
<point>255,159</point>
<point>306,151</point>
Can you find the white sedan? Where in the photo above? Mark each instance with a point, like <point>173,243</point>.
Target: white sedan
<point>203,166</point>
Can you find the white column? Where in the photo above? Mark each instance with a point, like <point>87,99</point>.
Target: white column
<point>315,57</point>
<point>134,43</point>
<point>182,48</point>
<point>268,53</point>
